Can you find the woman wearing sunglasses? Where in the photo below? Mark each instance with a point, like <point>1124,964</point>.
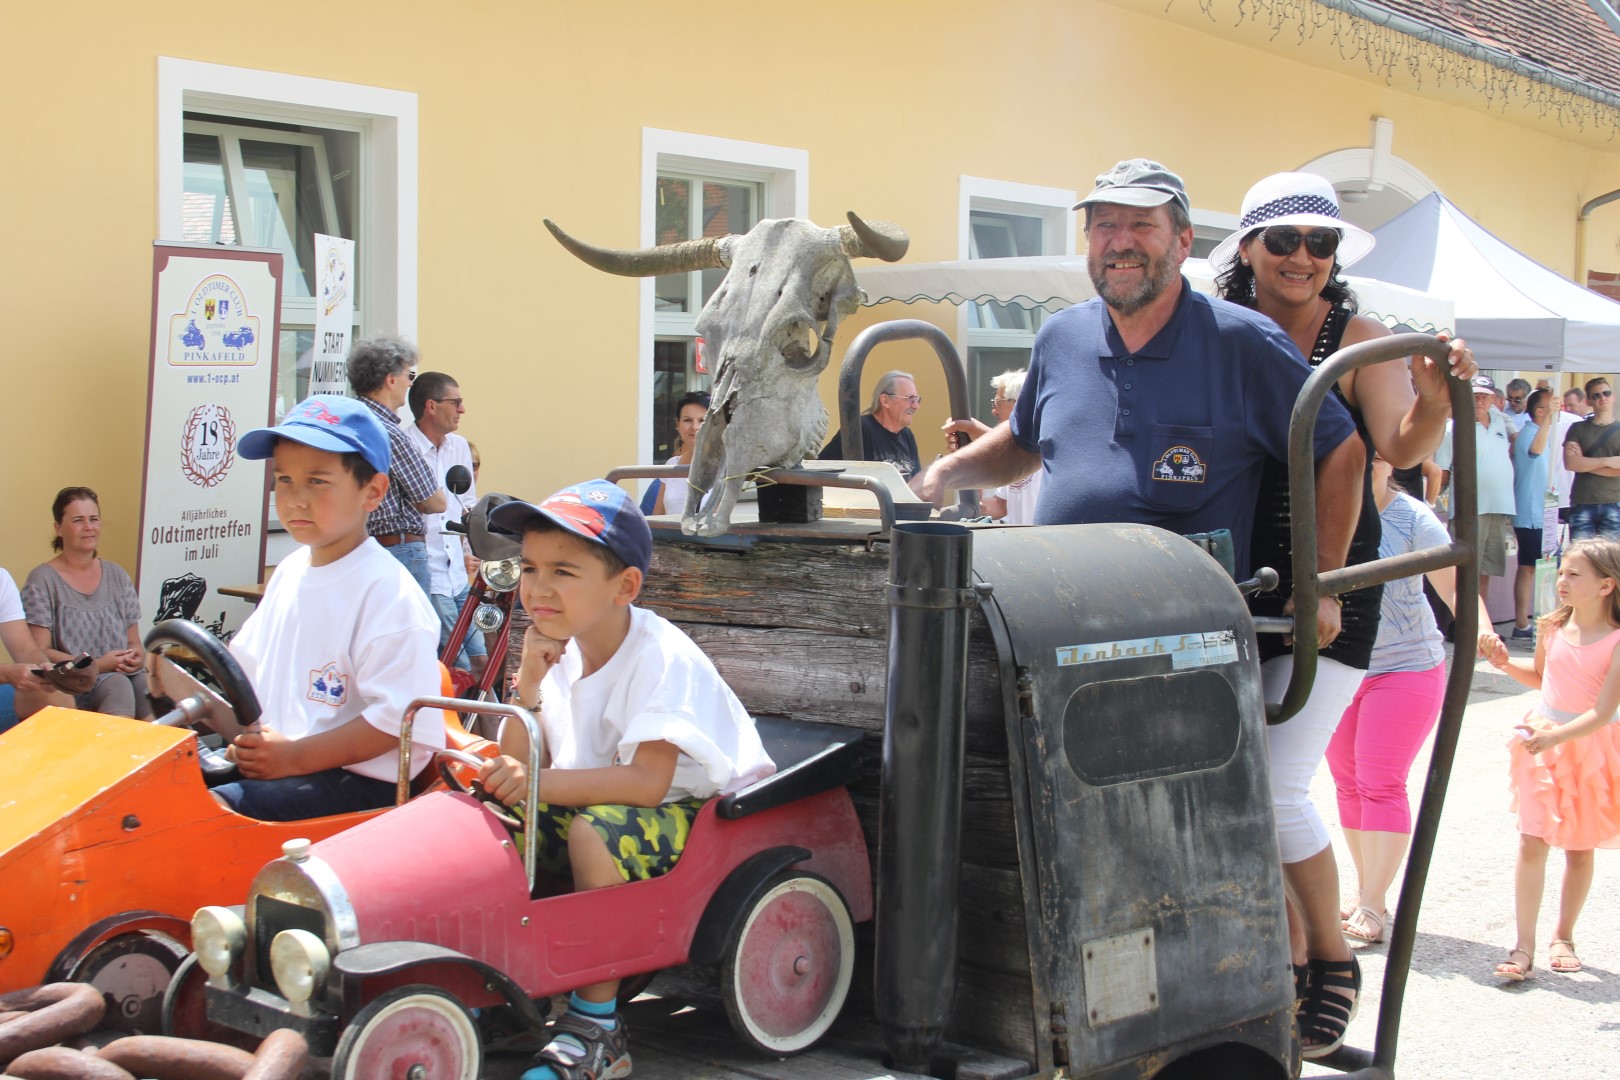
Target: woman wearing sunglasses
<point>1285,261</point>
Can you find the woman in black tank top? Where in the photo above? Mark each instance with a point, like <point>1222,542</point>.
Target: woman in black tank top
<point>1285,261</point>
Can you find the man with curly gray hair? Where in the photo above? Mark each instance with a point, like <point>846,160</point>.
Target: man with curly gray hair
<point>381,370</point>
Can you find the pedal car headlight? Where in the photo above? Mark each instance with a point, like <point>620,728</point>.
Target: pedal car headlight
<point>300,962</point>
<point>501,574</point>
<point>488,618</point>
<point>218,937</point>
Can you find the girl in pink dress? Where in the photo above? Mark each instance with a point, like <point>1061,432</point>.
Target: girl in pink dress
<point>1564,768</point>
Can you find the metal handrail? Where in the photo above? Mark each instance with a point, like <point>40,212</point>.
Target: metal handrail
<point>849,386</point>
<point>797,477</point>
<point>1309,586</point>
<point>1379,1064</point>
<point>482,708</point>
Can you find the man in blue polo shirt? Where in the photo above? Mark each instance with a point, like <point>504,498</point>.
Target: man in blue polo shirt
<point>1157,404</point>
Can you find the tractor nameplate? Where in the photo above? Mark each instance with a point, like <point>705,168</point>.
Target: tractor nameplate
<point>1184,650</point>
<point>1121,976</point>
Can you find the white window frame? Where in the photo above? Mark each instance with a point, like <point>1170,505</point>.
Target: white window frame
<point>784,173</point>
<point>385,119</point>
<point>230,138</point>
<point>1213,225</point>
<point>1054,206</point>
<point>684,323</point>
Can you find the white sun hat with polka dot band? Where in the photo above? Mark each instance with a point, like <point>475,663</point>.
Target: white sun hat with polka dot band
<point>1301,199</point>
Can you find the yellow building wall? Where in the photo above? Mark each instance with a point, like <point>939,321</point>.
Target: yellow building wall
<point>531,109</point>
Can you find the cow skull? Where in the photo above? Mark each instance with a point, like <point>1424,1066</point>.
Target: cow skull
<point>771,325</point>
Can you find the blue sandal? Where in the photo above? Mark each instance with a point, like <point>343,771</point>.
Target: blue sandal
<point>582,1050</point>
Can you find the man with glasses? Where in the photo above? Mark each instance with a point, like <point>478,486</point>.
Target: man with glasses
<point>1516,415</point>
<point>381,370</point>
<point>1154,403</point>
<point>1592,453</point>
<point>886,427</point>
<point>1494,461</point>
<point>437,404</point>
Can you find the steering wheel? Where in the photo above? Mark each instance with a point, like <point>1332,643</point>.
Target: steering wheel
<point>443,757</point>
<point>233,682</point>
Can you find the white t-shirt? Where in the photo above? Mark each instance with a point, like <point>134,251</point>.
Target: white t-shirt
<point>11,607</point>
<point>1021,496</point>
<point>330,643</point>
<point>675,490</point>
<point>658,686</point>
<point>1516,420</point>
<point>446,565</point>
<point>1560,479</point>
<point>1495,464</point>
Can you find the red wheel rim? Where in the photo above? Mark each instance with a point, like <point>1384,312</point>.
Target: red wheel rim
<point>791,964</point>
<point>422,1031</point>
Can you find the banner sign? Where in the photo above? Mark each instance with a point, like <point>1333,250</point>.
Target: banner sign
<point>215,334</point>
<point>334,315</point>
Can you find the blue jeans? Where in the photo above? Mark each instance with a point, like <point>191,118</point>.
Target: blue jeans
<point>294,798</point>
<point>414,558</point>
<point>1594,519</point>
<point>449,609</point>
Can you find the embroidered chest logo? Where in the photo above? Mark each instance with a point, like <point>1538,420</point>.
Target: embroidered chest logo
<point>328,685</point>
<point>1180,465</point>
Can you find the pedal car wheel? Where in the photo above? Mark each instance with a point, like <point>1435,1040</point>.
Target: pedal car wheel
<point>787,967</point>
<point>185,1010</point>
<point>133,972</point>
<point>415,1031</point>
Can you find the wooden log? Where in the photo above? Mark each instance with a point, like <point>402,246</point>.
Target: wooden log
<point>992,934</point>
<point>994,1011</point>
<point>836,589</point>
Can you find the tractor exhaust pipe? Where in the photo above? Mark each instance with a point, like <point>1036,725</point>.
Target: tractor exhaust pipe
<point>920,811</point>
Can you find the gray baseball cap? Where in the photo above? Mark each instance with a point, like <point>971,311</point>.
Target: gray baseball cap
<point>1138,182</point>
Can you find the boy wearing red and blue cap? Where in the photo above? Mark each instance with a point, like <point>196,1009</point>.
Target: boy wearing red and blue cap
<point>343,639</point>
<point>640,729</point>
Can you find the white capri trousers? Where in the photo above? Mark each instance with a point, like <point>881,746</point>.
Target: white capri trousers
<point>1298,746</point>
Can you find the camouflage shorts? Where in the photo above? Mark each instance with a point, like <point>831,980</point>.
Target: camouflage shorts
<point>645,841</point>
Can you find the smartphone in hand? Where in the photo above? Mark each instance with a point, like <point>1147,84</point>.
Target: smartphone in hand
<point>73,676</point>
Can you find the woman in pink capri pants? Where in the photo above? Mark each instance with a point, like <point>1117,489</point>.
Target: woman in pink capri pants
<point>1393,712</point>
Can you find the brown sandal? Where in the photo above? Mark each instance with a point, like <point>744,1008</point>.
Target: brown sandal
<point>1566,962</point>
<point>1513,971</point>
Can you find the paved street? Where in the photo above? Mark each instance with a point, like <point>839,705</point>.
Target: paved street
<point>1459,1020</point>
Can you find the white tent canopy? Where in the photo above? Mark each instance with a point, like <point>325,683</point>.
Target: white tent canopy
<point>1514,312</point>
<point>1056,281</point>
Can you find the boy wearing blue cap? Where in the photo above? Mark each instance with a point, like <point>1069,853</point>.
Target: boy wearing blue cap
<point>343,639</point>
<point>640,729</point>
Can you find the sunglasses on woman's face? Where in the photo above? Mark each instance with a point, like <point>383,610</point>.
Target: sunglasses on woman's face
<point>1284,240</point>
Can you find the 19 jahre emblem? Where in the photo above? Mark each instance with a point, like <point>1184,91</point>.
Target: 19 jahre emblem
<point>208,445</point>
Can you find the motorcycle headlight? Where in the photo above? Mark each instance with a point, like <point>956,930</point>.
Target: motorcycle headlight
<point>501,574</point>
<point>218,937</point>
<point>488,618</point>
<point>300,963</point>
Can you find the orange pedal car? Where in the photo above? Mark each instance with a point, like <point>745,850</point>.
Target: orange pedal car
<point>110,841</point>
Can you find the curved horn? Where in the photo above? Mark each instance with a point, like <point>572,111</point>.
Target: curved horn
<point>708,253</point>
<point>877,239</point>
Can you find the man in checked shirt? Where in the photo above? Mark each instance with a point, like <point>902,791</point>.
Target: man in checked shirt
<point>381,370</point>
